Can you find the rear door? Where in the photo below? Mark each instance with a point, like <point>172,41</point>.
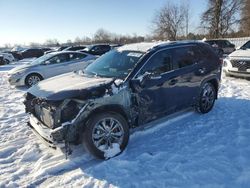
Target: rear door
<point>189,69</point>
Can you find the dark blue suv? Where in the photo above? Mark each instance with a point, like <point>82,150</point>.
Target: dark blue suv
<point>123,89</point>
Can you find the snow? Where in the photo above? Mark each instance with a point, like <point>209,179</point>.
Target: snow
<point>192,150</point>
<point>142,46</point>
<point>111,152</point>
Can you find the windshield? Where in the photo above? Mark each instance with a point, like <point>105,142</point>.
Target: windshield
<point>42,59</point>
<point>114,64</point>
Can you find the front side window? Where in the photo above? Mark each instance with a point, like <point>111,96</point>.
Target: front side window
<point>114,64</point>
<point>158,64</point>
<point>61,58</point>
<point>184,56</point>
<point>76,56</point>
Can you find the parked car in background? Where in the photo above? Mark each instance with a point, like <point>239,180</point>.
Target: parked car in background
<point>16,55</point>
<point>32,52</point>
<point>74,48</point>
<point>47,66</point>
<point>56,49</point>
<point>97,49</point>
<point>123,89</point>
<point>226,46</point>
<point>238,62</point>
<point>2,60</point>
<point>7,57</point>
<point>45,49</point>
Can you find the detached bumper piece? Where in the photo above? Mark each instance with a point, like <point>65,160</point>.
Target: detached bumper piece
<point>52,138</point>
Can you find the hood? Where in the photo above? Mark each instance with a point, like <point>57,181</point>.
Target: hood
<point>69,85</point>
<point>21,68</point>
<point>240,53</point>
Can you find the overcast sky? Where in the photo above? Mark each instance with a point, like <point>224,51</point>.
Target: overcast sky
<point>25,21</point>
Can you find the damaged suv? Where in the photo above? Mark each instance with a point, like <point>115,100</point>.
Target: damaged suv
<point>123,89</point>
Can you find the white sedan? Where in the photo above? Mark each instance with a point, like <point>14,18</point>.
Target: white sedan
<point>49,65</point>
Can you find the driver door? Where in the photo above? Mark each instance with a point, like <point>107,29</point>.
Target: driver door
<point>152,89</point>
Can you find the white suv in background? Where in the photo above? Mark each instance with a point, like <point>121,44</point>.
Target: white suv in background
<point>7,57</point>
<point>238,62</point>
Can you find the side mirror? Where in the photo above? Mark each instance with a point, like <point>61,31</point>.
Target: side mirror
<point>118,82</point>
<point>46,62</point>
<point>135,84</point>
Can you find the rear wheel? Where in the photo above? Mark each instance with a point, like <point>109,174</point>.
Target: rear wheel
<point>207,98</point>
<point>32,79</point>
<point>106,135</point>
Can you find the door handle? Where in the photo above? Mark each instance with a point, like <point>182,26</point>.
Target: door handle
<point>202,70</point>
<point>173,81</point>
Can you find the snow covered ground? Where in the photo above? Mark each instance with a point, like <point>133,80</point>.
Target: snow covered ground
<point>193,150</point>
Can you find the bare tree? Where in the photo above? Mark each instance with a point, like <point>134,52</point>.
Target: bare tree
<point>186,12</point>
<point>102,35</point>
<point>221,16</point>
<point>51,43</point>
<point>245,22</point>
<point>169,21</point>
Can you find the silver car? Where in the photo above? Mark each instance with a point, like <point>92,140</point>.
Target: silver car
<point>47,66</point>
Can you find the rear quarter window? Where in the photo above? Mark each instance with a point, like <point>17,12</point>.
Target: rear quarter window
<point>184,56</point>
<point>206,51</point>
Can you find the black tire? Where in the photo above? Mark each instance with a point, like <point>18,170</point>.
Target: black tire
<point>6,61</point>
<point>206,99</point>
<point>90,130</point>
<point>29,82</point>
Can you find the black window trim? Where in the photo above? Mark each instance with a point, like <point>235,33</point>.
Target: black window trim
<point>167,48</point>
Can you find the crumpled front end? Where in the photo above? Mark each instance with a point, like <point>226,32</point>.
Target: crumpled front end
<point>50,119</point>
<point>59,122</point>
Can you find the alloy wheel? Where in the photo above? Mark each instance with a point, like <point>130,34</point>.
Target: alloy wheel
<point>106,132</point>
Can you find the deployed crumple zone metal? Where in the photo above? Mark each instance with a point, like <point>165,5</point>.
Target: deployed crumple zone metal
<point>66,117</point>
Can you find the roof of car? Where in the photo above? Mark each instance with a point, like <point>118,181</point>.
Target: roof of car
<point>215,40</point>
<point>65,52</point>
<point>146,46</point>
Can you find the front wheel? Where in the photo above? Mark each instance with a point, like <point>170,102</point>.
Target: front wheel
<point>32,79</point>
<point>206,99</point>
<point>106,135</point>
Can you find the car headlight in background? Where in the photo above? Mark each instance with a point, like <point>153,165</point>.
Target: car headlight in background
<point>16,74</point>
<point>227,63</point>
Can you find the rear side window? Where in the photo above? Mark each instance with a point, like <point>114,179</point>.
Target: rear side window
<point>76,56</point>
<point>61,58</point>
<point>206,51</point>
<point>185,56</point>
<point>159,63</point>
